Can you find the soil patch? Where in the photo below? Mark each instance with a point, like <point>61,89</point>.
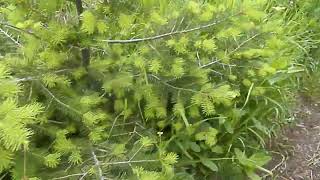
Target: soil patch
<point>297,150</point>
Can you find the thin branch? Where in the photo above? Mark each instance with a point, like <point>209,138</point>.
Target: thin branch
<point>24,79</point>
<point>128,162</point>
<point>97,164</point>
<point>10,37</point>
<point>173,87</point>
<point>19,29</point>
<point>243,43</point>
<point>209,64</point>
<point>115,41</point>
<point>248,96</point>
<point>199,59</point>
<point>58,100</point>
<point>68,176</point>
<point>84,175</point>
<point>113,125</point>
<point>4,175</point>
<point>134,155</point>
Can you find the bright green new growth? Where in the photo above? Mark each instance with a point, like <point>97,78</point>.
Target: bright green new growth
<point>145,89</point>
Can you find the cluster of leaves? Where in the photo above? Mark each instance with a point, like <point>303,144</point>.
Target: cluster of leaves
<point>146,89</point>
<point>309,42</point>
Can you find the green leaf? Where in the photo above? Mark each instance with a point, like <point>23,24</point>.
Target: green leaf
<point>242,158</point>
<point>102,27</point>
<point>5,159</point>
<point>255,161</point>
<point>260,159</point>
<point>125,21</point>
<point>209,136</point>
<point>209,164</point>
<point>52,160</point>
<point>157,19</point>
<point>217,149</point>
<point>170,158</point>
<point>195,147</point>
<point>209,45</point>
<point>88,22</point>
<point>9,88</point>
<point>252,175</point>
<point>193,7</point>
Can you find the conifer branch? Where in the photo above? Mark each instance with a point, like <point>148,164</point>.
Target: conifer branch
<point>244,43</point>
<point>209,64</point>
<point>58,100</point>
<point>6,33</point>
<point>173,87</point>
<point>19,29</point>
<point>160,36</point>
<point>97,164</point>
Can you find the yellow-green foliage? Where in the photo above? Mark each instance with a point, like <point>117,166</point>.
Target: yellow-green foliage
<point>145,89</point>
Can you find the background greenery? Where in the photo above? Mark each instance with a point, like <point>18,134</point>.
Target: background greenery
<point>150,89</point>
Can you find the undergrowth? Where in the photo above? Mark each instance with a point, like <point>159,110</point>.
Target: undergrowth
<point>148,89</point>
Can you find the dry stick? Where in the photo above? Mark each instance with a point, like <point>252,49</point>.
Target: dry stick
<point>68,176</point>
<point>97,164</point>
<point>114,41</point>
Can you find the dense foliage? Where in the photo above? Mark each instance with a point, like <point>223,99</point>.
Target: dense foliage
<point>147,89</point>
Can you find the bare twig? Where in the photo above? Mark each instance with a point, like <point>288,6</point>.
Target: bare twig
<point>4,175</point>
<point>199,59</point>
<point>128,162</point>
<point>134,155</point>
<point>97,164</point>
<point>173,87</point>
<point>58,100</point>
<point>209,64</point>
<point>243,43</point>
<point>113,125</point>
<point>84,175</point>
<point>69,176</point>
<point>115,41</point>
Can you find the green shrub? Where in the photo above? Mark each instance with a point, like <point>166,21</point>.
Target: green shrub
<point>145,89</point>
